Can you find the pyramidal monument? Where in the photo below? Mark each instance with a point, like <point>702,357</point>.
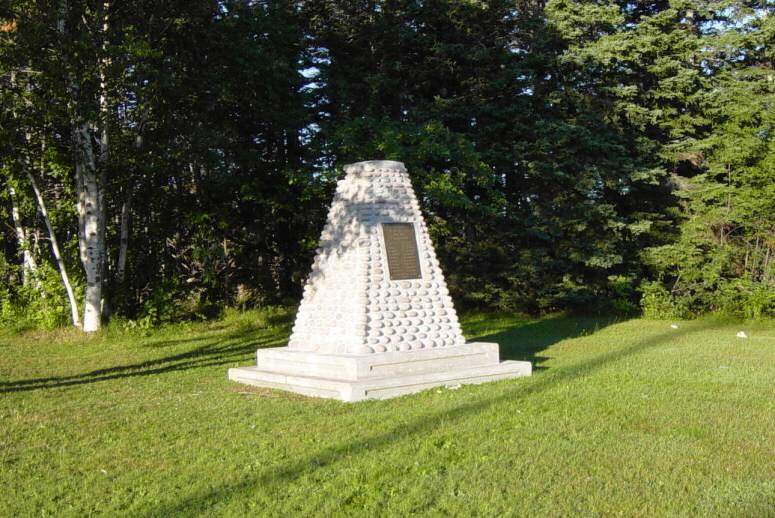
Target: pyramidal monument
<point>376,319</point>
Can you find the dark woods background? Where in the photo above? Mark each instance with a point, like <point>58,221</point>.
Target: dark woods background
<point>607,155</point>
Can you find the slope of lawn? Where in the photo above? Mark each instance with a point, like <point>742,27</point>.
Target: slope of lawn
<point>630,417</point>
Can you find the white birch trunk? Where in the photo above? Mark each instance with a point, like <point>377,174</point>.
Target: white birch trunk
<point>126,214</point>
<point>89,183</point>
<point>104,149</point>
<point>91,215</point>
<point>29,266</point>
<point>76,319</point>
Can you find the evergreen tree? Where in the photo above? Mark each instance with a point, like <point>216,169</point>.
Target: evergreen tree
<point>726,177</point>
<point>565,153</point>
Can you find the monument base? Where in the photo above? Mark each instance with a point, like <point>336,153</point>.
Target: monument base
<point>377,376</point>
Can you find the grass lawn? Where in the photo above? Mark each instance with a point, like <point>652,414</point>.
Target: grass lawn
<point>630,417</point>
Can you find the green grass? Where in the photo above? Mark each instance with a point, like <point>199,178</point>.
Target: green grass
<point>619,418</point>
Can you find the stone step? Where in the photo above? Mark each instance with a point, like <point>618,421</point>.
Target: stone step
<point>378,388</point>
<point>349,367</point>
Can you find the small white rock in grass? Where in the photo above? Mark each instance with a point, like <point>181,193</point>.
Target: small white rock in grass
<point>741,334</point>
<point>674,326</point>
<point>454,387</point>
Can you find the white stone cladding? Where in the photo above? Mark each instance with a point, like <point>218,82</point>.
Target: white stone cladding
<point>350,304</point>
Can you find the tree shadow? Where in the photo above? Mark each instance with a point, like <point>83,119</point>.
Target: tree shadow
<point>520,342</point>
<point>216,350</point>
<point>282,318</point>
<point>524,341</point>
<point>519,390</point>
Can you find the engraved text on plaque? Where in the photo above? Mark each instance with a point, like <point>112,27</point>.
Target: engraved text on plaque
<point>401,247</point>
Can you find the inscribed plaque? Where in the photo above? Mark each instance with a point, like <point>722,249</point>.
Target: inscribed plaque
<point>401,247</point>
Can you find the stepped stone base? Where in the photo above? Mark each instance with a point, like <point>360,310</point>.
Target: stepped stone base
<point>349,377</point>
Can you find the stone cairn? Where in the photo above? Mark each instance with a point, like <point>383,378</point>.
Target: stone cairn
<point>376,320</point>
<point>350,303</point>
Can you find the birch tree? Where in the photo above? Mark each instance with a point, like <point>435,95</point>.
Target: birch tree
<point>90,148</point>
<point>29,265</point>
<point>55,249</point>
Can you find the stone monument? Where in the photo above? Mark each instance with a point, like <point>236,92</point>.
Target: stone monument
<point>376,319</point>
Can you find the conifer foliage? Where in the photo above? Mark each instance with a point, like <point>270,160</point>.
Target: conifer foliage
<point>161,160</point>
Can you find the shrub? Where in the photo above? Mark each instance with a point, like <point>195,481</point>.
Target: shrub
<point>658,303</point>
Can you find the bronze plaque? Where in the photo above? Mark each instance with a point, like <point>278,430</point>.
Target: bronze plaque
<point>401,246</point>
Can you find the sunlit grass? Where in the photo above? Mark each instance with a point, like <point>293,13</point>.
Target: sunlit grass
<point>630,417</point>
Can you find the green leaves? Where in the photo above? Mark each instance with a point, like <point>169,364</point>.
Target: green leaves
<point>559,153</point>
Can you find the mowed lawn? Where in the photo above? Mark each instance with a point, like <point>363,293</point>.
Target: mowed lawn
<point>628,417</point>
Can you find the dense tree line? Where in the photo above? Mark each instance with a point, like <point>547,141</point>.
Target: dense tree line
<point>164,159</point>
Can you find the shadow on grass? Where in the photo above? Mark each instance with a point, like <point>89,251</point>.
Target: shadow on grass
<point>521,342</point>
<point>216,350</point>
<point>525,342</point>
<point>328,456</point>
